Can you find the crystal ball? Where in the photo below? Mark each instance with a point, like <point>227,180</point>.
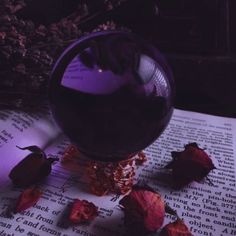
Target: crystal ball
<point>112,94</point>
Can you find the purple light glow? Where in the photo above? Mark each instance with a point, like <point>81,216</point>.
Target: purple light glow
<point>41,133</point>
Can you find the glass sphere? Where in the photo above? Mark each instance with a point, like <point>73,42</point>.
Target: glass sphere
<point>112,94</point>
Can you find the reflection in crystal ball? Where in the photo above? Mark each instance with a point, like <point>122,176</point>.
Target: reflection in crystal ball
<point>112,94</point>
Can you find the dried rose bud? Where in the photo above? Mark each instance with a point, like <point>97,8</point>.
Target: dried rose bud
<point>144,211</point>
<point>177,228</point>
<point>32,169</point>
<point>82,211</point>
<point>27,199</point>
<point>192,164</point>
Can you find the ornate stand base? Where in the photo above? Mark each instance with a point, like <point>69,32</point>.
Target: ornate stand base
<point>107,177</point>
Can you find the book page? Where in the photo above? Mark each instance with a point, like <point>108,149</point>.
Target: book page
<point>207,209</point>
<point>23,129</point>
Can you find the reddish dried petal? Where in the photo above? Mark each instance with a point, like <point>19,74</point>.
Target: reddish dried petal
<point>144,211</point>
<point>82,211</point>
<point>27,199</point>
<point>177,228</point>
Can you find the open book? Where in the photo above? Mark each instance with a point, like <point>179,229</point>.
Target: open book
<point>207,209</point>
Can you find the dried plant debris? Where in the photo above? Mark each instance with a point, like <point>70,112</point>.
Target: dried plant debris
<point>32,169</point>
<point>29,50</point>
<point>144,211</point>
<point>78,212</point>
<point>192,164</point>
<point>27,199</point>
<point>176,228</point>
<point>82,211</point>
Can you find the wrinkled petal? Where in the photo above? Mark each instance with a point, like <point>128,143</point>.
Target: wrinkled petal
<point>144,211</point>
<point>82,211</point>
<point>177,228</point>
<point>27,199</point>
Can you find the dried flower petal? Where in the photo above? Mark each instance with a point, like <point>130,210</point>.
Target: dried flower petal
<point>82,211</point>
<point>177,228</point>
<point>32,169</point>
<point>144,211</point>
<point>28,198</point>
<point>192,164</point>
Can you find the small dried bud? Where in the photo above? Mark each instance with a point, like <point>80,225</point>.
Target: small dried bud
<point>144,211</point>
<point>27,199</point>
<point>192,164</point>
<point>177,228</point>
<point>32,169</point>
<point>82,211</point>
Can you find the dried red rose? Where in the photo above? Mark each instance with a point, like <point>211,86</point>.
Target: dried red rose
<point>177,228</point>
<point>82,211</point>
<point>32,169</point>
<point>144,211</point>
<point>192,164</point>
<point>27,199</point>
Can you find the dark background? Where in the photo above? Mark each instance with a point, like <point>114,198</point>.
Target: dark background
<point>198,38</point>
